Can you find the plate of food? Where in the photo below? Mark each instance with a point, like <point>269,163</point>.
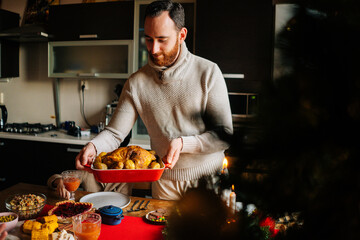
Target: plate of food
<point>127,164</point>
<point>158,217</point>
<point>101,199</point>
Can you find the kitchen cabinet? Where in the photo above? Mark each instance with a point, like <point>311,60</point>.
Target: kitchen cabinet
<point>101,21</point>
<point>238,36</point>
<point>34,162</point>
<point>91,58</point>
<point>9,51</point>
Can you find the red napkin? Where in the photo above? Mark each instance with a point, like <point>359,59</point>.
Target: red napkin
<point>132,228</point>
<point>45,210</point>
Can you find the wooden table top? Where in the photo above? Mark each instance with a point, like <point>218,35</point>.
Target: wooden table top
<point>53,198</point>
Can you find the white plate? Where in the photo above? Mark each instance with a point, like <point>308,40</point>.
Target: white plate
<point>101,199</point>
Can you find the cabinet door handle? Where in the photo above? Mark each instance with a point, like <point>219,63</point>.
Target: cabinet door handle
<point>88,36</point>
<point>233,75</point>
<point>88,74</point>
<point>76,150</point>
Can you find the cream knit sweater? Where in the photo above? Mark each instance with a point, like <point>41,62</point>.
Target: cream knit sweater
<point>188,100</point>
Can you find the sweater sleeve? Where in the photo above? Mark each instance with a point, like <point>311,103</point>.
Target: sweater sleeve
<point>217,117</point>
<point>120,124</point>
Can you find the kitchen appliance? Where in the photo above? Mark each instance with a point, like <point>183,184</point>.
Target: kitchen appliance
<point>243,106</point>
<point>110,109</point>
<point>3,117</point>
<point>28,128</point>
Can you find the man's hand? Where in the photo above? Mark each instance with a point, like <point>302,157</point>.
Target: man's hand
<point>173,153</point>
<point>85,157</point>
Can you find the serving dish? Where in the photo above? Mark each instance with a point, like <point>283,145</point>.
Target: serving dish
<point>111,215</point>
<point>128,175</point>
<point>101,199</point>
<point>9,224</point>
<point>26,205</point>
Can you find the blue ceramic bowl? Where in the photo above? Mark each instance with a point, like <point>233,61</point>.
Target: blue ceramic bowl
<point>111,215</point>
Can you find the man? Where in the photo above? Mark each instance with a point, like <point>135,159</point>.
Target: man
<point>182,100</point>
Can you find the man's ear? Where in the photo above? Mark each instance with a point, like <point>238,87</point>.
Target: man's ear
<point>182,35</point>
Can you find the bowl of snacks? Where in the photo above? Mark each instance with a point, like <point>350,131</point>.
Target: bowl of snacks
<point>10,219</point>
<point>26,205</point>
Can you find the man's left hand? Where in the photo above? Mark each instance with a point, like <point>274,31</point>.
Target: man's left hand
<point>173,153</point>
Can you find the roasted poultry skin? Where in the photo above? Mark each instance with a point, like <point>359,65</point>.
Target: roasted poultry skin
<point>130,157</point>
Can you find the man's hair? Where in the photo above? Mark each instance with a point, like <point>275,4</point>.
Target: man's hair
<point>176,11</point>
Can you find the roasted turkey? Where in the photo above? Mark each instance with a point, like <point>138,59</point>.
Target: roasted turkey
<point>130,157</point>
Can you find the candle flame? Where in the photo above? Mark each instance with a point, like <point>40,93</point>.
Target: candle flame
<point>232,187</point>
<point>225,163</point>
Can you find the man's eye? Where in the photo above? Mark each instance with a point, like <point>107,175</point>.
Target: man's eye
<point>162,40</point>
<point>148,39</point>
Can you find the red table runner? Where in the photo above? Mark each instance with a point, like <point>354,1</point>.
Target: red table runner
<point>129,228</point>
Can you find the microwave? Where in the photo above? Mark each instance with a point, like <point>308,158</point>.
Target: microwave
<point>243,105</point>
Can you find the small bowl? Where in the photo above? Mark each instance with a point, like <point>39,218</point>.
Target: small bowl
<point>30,211</point>
<point>9,225</point>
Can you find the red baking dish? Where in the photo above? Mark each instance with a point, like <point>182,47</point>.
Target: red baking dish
<point>128,175</point>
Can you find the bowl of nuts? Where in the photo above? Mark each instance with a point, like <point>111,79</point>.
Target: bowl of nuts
<point>10,219</point>
<point>26,205</point>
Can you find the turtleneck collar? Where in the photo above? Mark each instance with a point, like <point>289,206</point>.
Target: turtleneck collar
<point>172,73</point>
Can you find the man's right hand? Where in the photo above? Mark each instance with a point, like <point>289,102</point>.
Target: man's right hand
<point>85,157</point>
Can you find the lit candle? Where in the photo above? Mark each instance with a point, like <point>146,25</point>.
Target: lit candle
<point>224,170</point>
<point>232,200</point>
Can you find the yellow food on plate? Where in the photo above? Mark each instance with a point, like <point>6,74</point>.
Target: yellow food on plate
<point>50,226</point>
<point>29,225</point>
<point>40,230</point>
<point>130,157</point>
<point>40,234</point>
<point>50,218</point>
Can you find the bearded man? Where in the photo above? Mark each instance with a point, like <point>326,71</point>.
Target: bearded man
<point>183,102</point>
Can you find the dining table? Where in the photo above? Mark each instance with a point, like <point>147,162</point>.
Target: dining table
<point>134,225</point>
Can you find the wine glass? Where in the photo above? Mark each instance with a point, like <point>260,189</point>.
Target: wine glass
<point>71,180</point>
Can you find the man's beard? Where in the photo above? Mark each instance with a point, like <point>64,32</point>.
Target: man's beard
<point>167,58</point>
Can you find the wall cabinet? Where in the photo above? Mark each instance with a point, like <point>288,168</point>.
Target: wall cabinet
<point>34,162</point>
<point>102,21</point>
<point>93,58</point>
<point>238,36</point>
<point>9,51</point>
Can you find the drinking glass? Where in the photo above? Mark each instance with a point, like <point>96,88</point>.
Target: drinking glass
<point>87,226</point>
<point>71,180</point>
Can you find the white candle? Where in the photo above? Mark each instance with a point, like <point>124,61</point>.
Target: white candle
<point>232,201</point>
<point>226,196</point>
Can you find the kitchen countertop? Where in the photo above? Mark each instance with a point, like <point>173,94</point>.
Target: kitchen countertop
<point>58,136</point>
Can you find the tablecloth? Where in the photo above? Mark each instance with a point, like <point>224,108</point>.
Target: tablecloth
<point>129,228</point>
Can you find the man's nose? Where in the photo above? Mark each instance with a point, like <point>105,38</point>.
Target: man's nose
<point>155,47</point>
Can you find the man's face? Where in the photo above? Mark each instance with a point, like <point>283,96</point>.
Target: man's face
<point>162,39</point>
